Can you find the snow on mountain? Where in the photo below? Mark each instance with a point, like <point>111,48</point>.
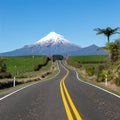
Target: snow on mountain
<point>53,39</point>
<point>52,44</point>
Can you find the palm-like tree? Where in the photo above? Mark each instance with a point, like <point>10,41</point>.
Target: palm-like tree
<point>107,31</point>
<point>113,49</point>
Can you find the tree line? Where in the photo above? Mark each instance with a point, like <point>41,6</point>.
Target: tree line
<point>112,65</point>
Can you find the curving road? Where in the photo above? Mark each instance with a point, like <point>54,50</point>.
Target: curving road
<point>61,98</point>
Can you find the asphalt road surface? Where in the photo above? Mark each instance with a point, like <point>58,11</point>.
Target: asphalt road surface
<point>63,97</point>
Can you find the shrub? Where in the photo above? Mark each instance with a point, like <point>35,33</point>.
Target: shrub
<point>100,68</point>
<point>45,74</point>
<point>90,69</point>
<point>37,67</point>
<point>102,75</point>
<point>117,80</point>
<point>4,68</point>
<point>5,75</point>
<point>79,64</point>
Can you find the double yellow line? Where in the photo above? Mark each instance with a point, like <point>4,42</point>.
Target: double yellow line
<point>66,97</point>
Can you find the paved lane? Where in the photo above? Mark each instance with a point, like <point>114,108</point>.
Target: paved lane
<point>41,101</point>
<point>47,100</point>
<point>92,103</point>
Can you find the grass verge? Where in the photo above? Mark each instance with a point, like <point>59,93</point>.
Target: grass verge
<point>117,92</point>
<point>101,85</point>
<point>44,69</point>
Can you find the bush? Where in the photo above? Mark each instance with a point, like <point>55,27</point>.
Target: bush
<point>3,68</point>
<point>58,57</point>
<point>102,75</point>
<point>100,68</point>
<point>117,80</point>
<point>90,69</point>
<point>37,67</point>
<point>45,74</point>
<point>5,75</point>
<point>79,65</point>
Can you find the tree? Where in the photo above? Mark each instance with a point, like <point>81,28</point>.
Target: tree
<point>117,42</point>
<point>107,32</point>
<point>3,67</point>
<point>113,48</point>
<point>118,46</point>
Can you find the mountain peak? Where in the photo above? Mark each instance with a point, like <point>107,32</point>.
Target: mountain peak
<point>51,37</point>
<point>54,34</point>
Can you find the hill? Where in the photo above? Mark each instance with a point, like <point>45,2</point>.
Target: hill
<point>21,64</point>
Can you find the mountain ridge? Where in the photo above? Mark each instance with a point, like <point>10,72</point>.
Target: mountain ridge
<point>51,44</point>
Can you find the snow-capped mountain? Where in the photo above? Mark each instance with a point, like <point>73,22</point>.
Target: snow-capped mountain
<point>52,38</point>
<point>52,44</point>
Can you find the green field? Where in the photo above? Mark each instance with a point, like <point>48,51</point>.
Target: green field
<point>93,59</point>
<point>21,64</point>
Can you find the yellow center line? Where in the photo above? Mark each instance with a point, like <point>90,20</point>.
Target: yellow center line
<point>69,114</point>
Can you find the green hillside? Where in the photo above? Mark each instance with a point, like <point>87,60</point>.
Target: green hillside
<point>93,59</point>
<point>20,64</point>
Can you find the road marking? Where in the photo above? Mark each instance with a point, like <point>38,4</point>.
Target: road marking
<point>16,91</point>
<point>67,109</point>
<point>69,115</point>
<point>2,98</point>
<point>115,95</point>
<point>97,86</point>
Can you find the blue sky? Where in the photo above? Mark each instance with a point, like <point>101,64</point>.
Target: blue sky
<point>23,22</point>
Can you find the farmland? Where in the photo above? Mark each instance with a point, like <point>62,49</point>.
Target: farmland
<point>93,59</point>
<point>19,65</point>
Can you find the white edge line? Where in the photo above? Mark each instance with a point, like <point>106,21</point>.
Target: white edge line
<point>16,91</point>
<point>94,85</point>
<point>28,86</point>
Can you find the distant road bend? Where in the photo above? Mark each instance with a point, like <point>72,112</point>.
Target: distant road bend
<point>63,97</point>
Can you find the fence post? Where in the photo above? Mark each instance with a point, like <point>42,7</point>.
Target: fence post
<point>106,80</point>
<point>14,82</point>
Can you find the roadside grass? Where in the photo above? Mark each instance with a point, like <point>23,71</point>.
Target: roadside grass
<point>48,67</point>
<point>101,85</point>
<point>92,60</point>
<point>37,73</point>
<point>43,69</point>
<point>11,89</point>
<point>32,74</point>
<point>25,64</point>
